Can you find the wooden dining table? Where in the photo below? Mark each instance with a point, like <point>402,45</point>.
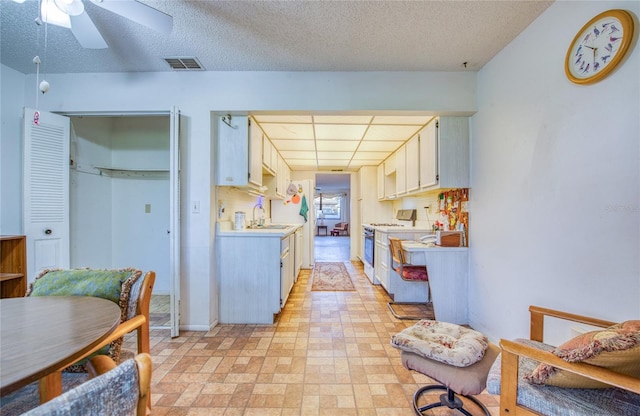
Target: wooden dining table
<point>42,335</point>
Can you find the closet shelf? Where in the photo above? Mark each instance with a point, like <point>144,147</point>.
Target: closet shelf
<point>127,172</point>
<point>115,169</point>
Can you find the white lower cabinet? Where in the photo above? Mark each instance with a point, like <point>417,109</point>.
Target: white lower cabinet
<point>287,266</point>
<point>255,275</point>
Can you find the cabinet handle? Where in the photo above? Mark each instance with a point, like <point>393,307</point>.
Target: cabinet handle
<point>48,231</point>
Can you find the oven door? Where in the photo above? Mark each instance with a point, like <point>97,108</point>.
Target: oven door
<point>369,244</point>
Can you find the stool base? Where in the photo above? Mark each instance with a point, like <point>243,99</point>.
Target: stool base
<point>450,400</point>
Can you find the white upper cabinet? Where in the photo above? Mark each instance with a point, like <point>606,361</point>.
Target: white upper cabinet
<point>268,153</point>
<point>444,154</point>
<point>390,165</point>
<point>255,153</point>
<point>401,173</point>
<point>428,155</point>
<point>437,157</point>
<point>232,168</point>
<point>381,194</point>
<point>412,165</point>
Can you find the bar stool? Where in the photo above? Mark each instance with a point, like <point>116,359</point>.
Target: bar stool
<point>410,273</point>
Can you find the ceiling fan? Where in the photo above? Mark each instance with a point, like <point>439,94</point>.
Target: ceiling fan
<point>72,14</point>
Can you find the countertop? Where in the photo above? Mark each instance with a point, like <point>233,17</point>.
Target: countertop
<point>414,246</point>
<point>399,228</point>
<point>224,229</point>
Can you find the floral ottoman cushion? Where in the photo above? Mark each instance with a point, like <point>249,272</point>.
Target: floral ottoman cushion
<point>442,341</point>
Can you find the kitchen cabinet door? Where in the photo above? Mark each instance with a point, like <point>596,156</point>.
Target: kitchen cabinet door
<point>380,181</point>
<point>232,167</point>
<point>444,149</point>
<point>401,173</point>
<point>255,153</point>
<point>412,166</point>
<point>267,155</point>
<point>428,159</point>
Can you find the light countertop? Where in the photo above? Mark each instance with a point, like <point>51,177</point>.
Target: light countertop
<point>224,229</point>
<point>414,246</point>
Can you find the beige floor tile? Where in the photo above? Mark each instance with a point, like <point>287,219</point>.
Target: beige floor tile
<point>328,353</point>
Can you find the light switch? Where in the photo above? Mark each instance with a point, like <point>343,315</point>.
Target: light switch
<point>195,207</point>
<point>147,208</point>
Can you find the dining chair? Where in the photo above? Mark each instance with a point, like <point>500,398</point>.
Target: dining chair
<point>113,390</point>
<point>28,397</point>
<point>126,287</point>
<point>410,273</point>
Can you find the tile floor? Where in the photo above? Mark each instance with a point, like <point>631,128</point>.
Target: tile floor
<point>328,353</point>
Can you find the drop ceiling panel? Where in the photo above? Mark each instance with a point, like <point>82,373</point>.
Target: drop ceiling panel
<point>370,155</point>
<point>327,145</point>
<point>335,155</point>
<point>295,154</point>
<point>304,163</point>
<point>369,146</point>
<point>339,131</point>
<point>282,118</point>
<point>410,120</point>
<point>288,144</point>
<point>400,133</point>
<point>288,131</point>
<point>338,141</point>
<point>342,119</point>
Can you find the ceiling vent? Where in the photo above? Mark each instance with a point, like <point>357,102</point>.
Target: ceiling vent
<point>184,64</point>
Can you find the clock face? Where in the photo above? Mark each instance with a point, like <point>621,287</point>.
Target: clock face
<point>599,47</point>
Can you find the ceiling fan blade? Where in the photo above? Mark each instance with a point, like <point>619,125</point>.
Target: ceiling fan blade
<point>86,32</point>
<point>139,13</point>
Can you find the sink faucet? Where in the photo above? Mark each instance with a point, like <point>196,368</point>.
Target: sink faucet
<point>261,220</point>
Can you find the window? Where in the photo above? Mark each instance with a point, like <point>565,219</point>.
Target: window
<point>328,206</point>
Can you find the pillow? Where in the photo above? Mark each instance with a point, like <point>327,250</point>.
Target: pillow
<point>442,341</point>
<point>616,348</point>
<point>114,285</point>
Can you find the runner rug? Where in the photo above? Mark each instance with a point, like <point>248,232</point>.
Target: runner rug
<point>331,277</point>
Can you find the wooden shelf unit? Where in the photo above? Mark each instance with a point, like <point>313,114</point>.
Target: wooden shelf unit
<point>13,266</point>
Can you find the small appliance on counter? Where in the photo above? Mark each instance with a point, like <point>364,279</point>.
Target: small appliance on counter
<point>407,215</point>
<point>239,220</point>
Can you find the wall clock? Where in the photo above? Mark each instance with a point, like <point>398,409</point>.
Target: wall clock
<point>599,46</point>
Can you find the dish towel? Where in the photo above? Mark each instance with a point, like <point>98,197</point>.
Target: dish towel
<point>304,208</point>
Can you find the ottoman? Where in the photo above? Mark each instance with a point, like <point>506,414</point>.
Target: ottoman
<point>457,357</point>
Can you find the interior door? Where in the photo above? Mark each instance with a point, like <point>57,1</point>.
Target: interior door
<point>174,219</point>
<point>46,190</point>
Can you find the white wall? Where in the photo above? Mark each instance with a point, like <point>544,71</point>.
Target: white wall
<point>555,182</point>
<point>11,103</point>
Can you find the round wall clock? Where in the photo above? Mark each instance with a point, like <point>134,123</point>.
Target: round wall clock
<point>599,47</point>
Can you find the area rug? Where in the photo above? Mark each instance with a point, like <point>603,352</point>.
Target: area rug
<point>331,277</point>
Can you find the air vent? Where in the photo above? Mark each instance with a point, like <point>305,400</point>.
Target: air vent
<point>184,64</point>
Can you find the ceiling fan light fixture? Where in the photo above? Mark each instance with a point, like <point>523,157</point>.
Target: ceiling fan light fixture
<point>70,7</point>
<point>53,15</point>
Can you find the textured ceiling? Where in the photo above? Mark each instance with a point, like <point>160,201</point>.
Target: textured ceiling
<point>286,36</point>
<point>277,36</point>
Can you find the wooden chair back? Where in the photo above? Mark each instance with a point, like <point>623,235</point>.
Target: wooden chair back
<point>397,254</point>
<point>104,392</point>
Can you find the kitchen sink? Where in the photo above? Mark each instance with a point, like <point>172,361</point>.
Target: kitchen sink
<point>271,227</point>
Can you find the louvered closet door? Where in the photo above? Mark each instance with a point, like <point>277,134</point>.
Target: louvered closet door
<point>46,191</point>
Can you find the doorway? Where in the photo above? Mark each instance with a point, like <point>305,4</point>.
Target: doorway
<point>121,199</point>
<point>332,198</point>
